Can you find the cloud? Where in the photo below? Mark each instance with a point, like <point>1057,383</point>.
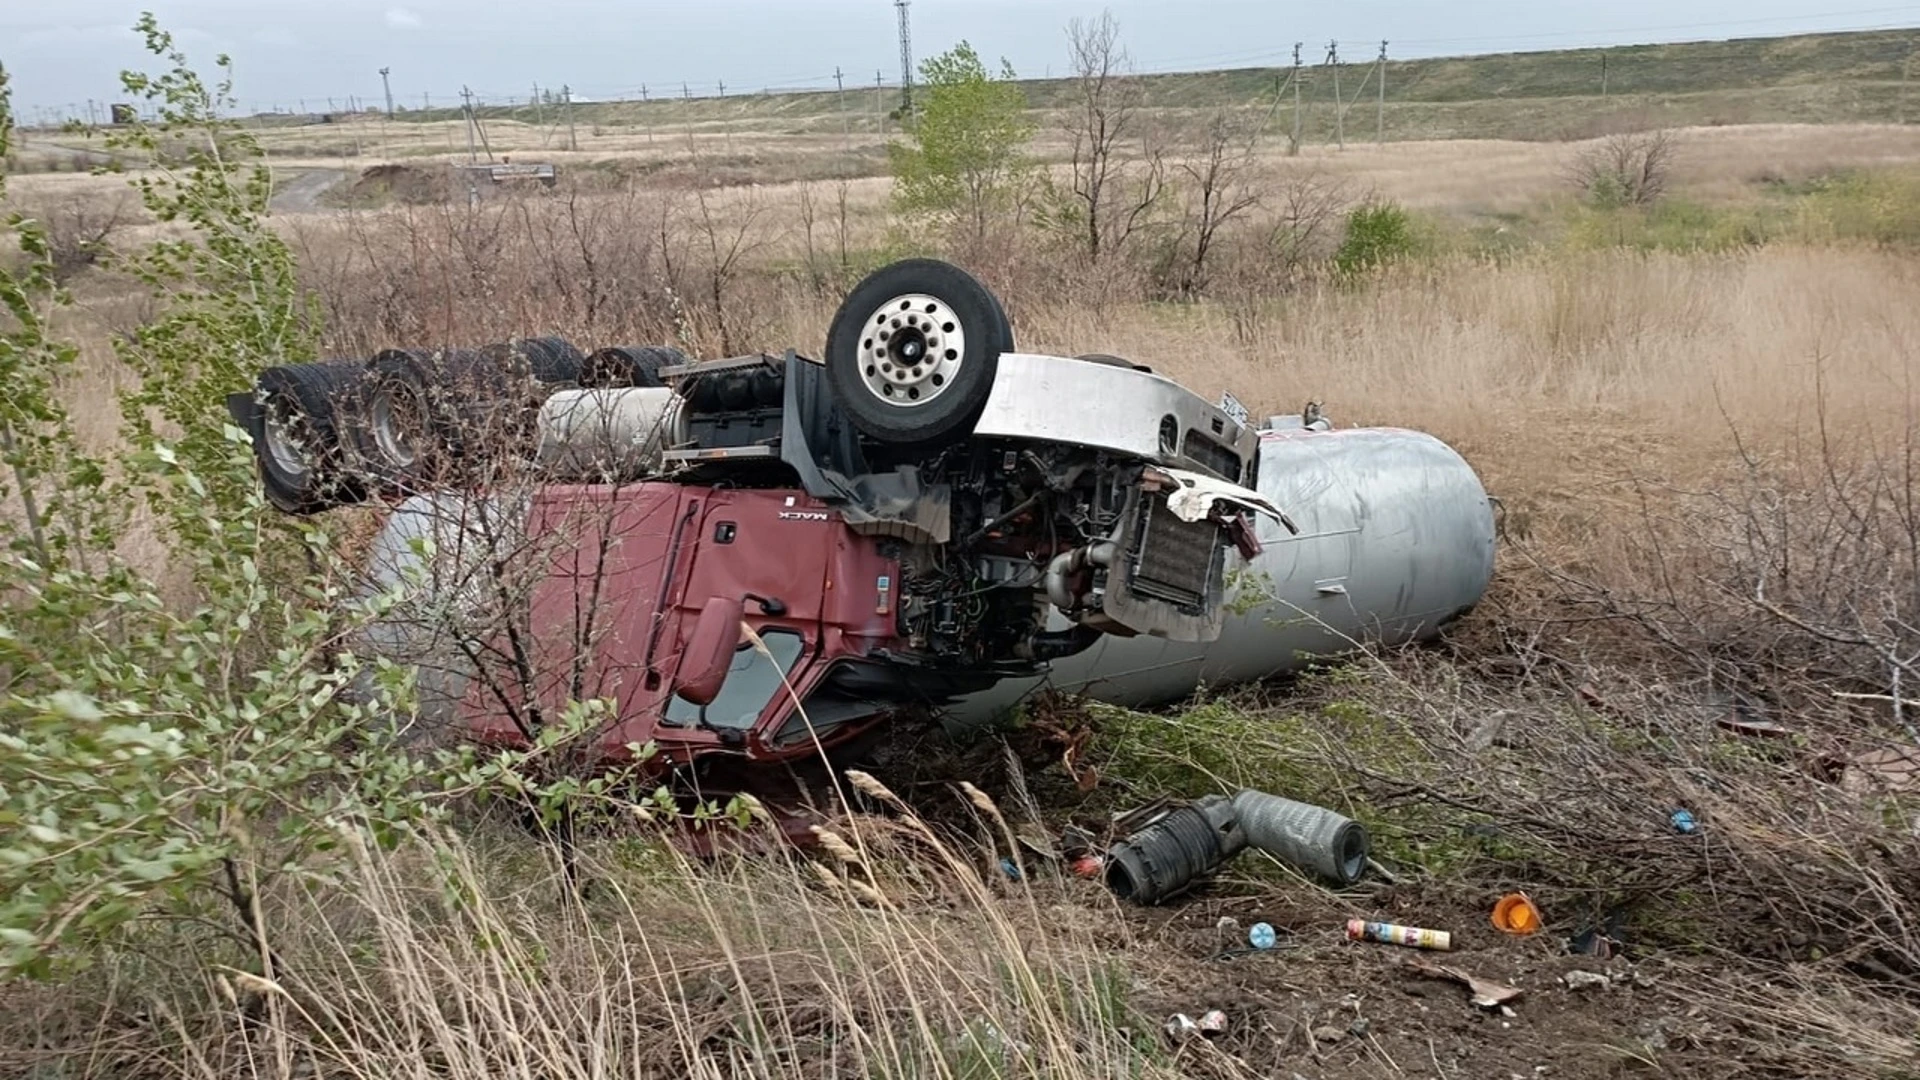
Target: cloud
<point>402,19</point>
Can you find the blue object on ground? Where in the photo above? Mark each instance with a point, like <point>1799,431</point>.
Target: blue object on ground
<point>1261,936</point>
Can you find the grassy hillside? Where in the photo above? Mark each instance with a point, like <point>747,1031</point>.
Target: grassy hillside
<point>1852,77</point>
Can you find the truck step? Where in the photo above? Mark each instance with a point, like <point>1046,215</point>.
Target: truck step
<point>709,367</point>
<point>719,453</point>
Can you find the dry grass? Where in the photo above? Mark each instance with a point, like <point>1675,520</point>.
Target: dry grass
<point>1458,176</point>
<point>904,954</point>
<point>1607,397</point>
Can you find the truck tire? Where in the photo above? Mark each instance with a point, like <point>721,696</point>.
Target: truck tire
<point>555,359</point>
<point>629,365</point>
<point>392,434</point>
<point>537,360</point>
<point>913,350</point>
<point>301,461</point>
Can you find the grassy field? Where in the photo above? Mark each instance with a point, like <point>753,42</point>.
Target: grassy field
<point>1701,418</point>
<point>1849,78</point>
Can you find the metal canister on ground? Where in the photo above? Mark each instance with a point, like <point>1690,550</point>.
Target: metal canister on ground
<point>1395,934</point>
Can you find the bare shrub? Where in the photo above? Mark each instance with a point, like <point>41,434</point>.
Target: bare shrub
<point>724,244</point>
<point>1625,169</point>
<point>1299,234</point>
<point>1219,188</point>
<point>80,227</point>
<point>1111,193</point>
<point>623,265</point>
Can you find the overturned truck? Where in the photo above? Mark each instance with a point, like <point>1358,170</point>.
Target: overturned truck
<point>762,559</point>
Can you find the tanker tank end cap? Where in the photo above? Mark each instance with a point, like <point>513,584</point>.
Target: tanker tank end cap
<point>1193,495</point>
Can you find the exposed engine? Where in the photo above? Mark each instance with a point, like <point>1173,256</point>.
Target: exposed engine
<point>1031,526</point>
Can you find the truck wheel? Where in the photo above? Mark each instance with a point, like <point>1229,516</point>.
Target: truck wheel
<point>912,352</point>
<point>629,365</point>
<point>393,432</point>
<point>548,359</point>
<point>555,359</point>
<point>299,451</point>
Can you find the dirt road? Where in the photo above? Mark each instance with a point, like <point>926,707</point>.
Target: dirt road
<point>302,194</point>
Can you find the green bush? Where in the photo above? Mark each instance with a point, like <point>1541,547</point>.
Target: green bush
<point>160,755</point>
<point>1378,234</point>
<point>1872,207</point>
<point>965,161</point>
<point>1672,225</point>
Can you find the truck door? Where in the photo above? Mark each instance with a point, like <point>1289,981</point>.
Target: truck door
<point>773,549</point>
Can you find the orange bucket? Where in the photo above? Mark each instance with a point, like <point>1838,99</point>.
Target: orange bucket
<point>1515,914</point>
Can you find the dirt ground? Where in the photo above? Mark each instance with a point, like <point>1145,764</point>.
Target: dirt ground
<point>1322,1007</point>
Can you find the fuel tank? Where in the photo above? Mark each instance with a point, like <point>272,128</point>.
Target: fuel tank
<point>1395,541</point>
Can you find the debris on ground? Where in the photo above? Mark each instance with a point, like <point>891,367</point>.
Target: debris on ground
<point>1088,866</point>
<point>1891,768</point>
<point>1168,851</point>
<point>1261,936</point>
<point>1181,1027</point>
<point>1586,980</point>
<point>1515,913</point>
<point>1601,942</point>
<point>1395,934</point>
<point>1487,995</point>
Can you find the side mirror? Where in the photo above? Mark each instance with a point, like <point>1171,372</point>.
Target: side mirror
<point>709,652</point>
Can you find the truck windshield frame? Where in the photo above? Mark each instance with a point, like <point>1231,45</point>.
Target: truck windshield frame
<point>752,681</point>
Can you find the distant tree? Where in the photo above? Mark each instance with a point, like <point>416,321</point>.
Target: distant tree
<point>1220,186</point>
<point>1627,168</point>
<point>1110,195</point>
<point>965,161</point>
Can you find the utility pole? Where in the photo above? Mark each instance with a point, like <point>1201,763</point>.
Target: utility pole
<point>1603,74</point>
<point>466,107</point>
<point>879,115</point>
<point>566,95</point>
<point>1380,116</point>
<point>1293,148</point>
<point>388,88</point>
<point>840,97</point>
<point>906,62</point>
<point>648,124</point>
<point>726,123</point>
<point>1339,113</point>
<point>539,114</point>
<point>686,95</point>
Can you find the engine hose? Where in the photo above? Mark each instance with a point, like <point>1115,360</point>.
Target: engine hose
<point>1304,836</point>
<point>1066,564</point>
<point>1175,851</point>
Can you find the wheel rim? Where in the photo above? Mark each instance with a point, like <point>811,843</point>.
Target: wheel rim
<point>283,442</point>
<point>395,416</point>
<point>911,347</point>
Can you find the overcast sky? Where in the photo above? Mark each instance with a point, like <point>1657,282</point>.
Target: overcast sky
<point>63,52</point>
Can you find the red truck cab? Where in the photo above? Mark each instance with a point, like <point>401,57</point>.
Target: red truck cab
<point>637,587</point>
